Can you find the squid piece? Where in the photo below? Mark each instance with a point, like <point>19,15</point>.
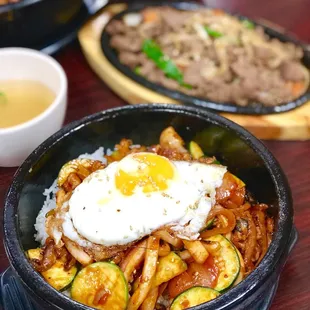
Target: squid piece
<point>169,139</point>
<point>76,251</point>
<point>82,167</point>
<point>148,273</point>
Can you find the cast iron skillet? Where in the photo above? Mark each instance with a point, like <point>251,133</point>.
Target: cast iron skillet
<point>254,109</point>
<point>235,147</point>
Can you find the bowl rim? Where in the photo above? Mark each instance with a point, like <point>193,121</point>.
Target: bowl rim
<point>273,260</point>
<point>255,108</point>
<point>60,95</point>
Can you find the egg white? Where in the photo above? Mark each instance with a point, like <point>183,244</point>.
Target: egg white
<point>101,214</point>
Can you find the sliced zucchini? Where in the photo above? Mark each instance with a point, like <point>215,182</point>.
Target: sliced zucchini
<point>195,150</point>
<point>239,182</point>
<point>193,296</point>
<point>101,286</point>
<point>168,267</point>
<point>229,256</point>
<point>242,269</point>
<point>208,225</point>
<point>56,276</point>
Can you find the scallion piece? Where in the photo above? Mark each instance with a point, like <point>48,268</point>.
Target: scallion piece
<point>137,70</point>
<point>3,98</point>
<point>213,33</point>
<point>248,24</point>
<point>153,51</point>
<point>187,86</point>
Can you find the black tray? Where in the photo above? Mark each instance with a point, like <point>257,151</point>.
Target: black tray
<point>67,33</point>
<point>254,109</point>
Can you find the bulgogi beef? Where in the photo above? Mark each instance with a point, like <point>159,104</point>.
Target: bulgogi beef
<point>209,54</point>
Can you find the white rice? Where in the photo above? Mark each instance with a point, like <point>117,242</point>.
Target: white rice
<point>97,155</point>
<point>49,204</point>
<point>50,199</point>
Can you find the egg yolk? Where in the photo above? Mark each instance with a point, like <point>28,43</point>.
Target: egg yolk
<point>152,173</point>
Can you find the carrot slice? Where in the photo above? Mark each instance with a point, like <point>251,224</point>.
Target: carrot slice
<point>297,87</point>
<point>218,12</point>
<point>150,16</point>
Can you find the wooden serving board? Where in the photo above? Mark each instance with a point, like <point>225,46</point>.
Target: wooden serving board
<point>293,125</point>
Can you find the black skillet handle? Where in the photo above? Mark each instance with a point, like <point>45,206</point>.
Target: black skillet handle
<point>12,293</point>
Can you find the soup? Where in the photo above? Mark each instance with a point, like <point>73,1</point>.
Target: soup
<point>21,100</point>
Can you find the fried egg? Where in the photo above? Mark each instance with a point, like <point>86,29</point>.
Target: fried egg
<point>141,193</point>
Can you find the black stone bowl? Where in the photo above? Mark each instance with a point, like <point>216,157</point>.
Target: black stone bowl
<point>244,155</point>
<point>254,108</point>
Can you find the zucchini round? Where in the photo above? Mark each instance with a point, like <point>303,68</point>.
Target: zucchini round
<point>209,225</point>
<point>56,276</point>
<point>193,296</point>
<point>228,255</point>
<point>101,286</point>
<point>242,269</point>
<point>168,267</point>
<point>195,150</point>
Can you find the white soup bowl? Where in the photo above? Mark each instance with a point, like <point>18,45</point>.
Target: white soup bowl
<point>17,142</point>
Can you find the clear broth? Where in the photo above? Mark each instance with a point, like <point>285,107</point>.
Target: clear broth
<point>22,100</point>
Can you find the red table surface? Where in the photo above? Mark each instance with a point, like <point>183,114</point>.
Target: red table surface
<point>88,94</point>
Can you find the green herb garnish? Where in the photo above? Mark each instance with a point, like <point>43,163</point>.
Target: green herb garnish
<point>187,86</point>
<point>153,51</point>
<point>216,162</point>
<point>213,33</point>
<point>3,98</point>
<point>137,70</point>
<point>248,24</point>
